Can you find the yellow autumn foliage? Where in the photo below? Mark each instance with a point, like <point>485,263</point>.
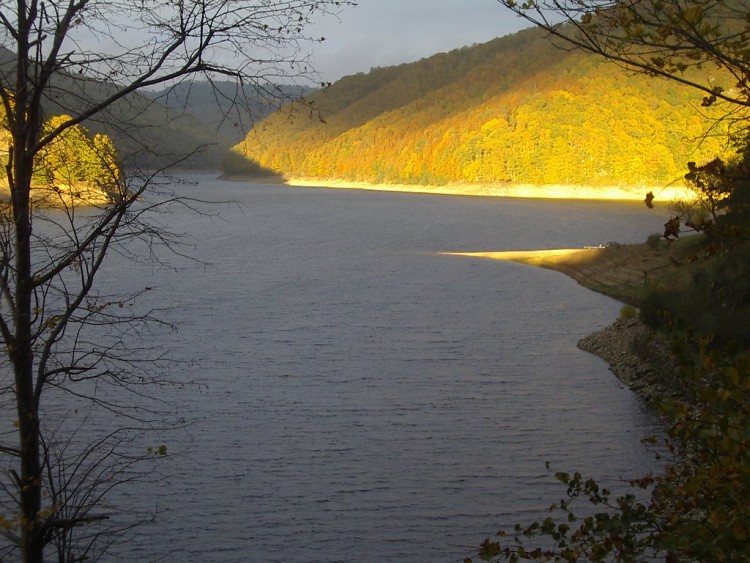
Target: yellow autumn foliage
<point>76,168</point>
<point>513,111</point>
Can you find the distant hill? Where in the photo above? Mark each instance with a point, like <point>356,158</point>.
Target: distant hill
<point>516,109</point>
<point>147,133</point>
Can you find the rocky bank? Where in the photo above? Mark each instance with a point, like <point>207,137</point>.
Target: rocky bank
<point>638,356</point>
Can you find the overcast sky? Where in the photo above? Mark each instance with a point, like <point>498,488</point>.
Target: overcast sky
<point>390,32</point>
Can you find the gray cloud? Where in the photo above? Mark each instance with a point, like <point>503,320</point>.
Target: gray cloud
<point>388,32</point>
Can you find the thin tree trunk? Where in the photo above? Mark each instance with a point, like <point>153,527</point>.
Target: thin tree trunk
<point>21,352</point>
<point>23,363</point>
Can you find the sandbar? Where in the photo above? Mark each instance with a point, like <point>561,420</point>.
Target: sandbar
<point>542,258</point>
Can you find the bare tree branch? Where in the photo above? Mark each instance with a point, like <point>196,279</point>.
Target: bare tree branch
<point>76,355</point>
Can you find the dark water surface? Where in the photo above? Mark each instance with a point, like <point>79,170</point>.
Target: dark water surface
<point>364,398</point>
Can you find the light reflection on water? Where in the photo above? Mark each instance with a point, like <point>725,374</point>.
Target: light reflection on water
<point>365,398</point>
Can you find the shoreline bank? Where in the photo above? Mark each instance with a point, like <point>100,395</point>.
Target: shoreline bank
<point>640,358</point>
<point>526,191</point>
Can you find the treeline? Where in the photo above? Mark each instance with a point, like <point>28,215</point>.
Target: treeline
<point>515,109</point>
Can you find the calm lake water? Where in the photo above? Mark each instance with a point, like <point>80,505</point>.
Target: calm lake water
<point>362,397</point>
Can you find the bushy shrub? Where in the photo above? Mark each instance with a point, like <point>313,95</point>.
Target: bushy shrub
<point>654,309</point>
<point>654,240</point>
<point>628,312</point>
<point>714,305</point>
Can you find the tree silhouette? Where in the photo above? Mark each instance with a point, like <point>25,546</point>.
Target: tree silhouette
<point>86,60</point>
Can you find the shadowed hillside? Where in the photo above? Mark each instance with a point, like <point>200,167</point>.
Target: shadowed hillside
<point>225,106</point>
<point>146,133</point>
<point>514,110</point>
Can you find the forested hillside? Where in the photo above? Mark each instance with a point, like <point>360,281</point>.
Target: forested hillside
<point>225,106</point>
<point>516,109</point>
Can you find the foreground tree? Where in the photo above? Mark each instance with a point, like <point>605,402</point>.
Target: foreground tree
<point>80,59</point>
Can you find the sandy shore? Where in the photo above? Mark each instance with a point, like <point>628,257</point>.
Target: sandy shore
<point>551,259</point>
<point>619,193</point>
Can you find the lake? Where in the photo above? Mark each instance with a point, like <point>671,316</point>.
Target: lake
<point>362,397</point>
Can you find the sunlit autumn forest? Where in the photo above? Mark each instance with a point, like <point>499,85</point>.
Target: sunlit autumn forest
<point>516,109</point>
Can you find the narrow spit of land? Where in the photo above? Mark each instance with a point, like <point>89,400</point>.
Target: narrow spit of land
<point>623,272</point>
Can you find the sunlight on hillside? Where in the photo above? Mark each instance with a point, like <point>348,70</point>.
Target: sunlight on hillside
<point>513,112</point>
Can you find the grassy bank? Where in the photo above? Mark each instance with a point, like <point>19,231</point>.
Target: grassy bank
<point>623,272</point>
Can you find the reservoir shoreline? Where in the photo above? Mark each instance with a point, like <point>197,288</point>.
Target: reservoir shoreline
<point>367,395</point>
<point>508,190</point>
<point>638,356</point>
